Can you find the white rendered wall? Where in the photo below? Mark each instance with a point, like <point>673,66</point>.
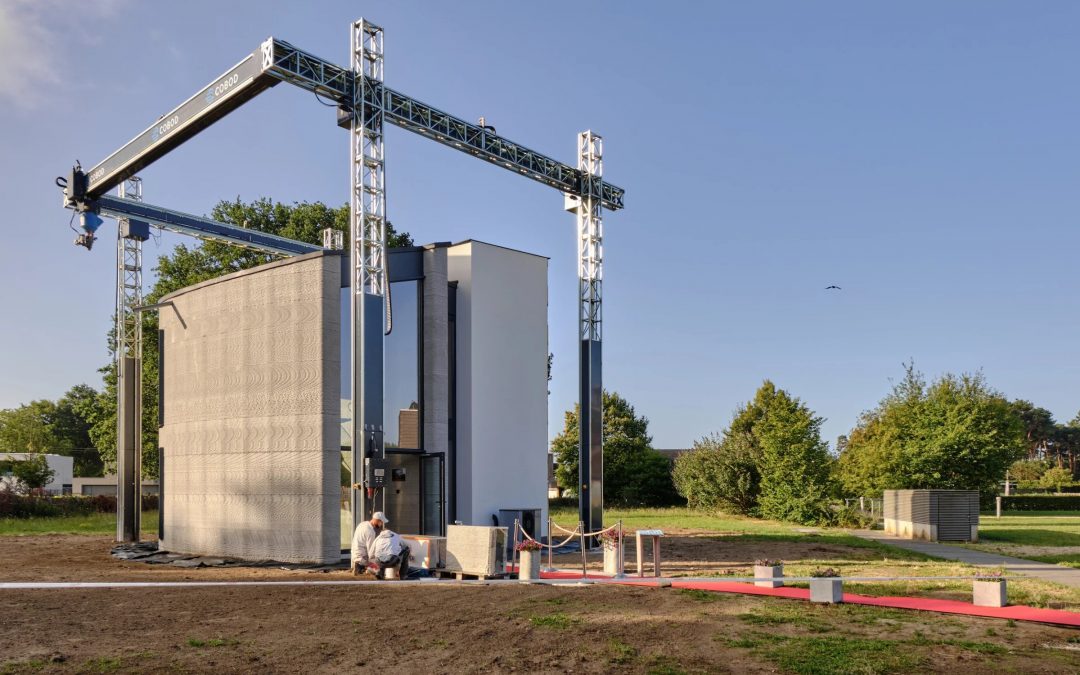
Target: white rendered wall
<point>502,348</point>
<point>251,413</point>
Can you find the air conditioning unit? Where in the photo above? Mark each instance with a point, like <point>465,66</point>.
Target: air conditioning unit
<point>529,520</point>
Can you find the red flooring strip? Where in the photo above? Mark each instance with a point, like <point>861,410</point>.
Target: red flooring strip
<point>1016,612</point>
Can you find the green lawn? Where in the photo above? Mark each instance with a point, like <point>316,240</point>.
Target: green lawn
<point>1047,536</point>
<point>676,518</point>
<point>98,523</point>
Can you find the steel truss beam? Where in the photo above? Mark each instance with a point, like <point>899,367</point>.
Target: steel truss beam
<point>276,60</point>
<point>203,228</point>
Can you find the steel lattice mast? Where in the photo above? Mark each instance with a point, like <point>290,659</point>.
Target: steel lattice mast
<point>590,231</point>
<point>128,371</point>
<point>368,237</point>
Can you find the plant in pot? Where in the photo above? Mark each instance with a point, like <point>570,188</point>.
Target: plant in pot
<point>989,589</point>
<point>611,541</point>
<point>770,573</point>
<point>529,559</point>
<point>826,586</point>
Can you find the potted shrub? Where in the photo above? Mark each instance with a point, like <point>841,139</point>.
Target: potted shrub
<point>528,559</point>
<point>989,589</point>
<point>770,573</point>
<point>826,586</point>
<point>612,543</point>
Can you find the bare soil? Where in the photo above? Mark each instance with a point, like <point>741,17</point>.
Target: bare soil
<point>383,626</point>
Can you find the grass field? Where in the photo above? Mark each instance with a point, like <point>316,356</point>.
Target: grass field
<point>871,559</point>
<point>98,523</point>
<point>1046,536</point>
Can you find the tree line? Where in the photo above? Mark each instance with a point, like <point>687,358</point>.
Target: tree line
<point>955,432</point>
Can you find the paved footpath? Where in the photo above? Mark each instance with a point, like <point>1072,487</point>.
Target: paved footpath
<point>1067,576</point>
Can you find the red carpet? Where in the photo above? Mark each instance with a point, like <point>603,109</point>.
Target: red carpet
<point>1016,612</point>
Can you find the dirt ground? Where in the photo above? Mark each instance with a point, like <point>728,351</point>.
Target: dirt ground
<point>382,627</point>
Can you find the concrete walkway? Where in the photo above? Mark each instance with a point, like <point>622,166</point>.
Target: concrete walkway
<point>1066,576</point>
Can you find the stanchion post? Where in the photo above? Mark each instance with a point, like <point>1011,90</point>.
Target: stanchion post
<point>581,528</point>
<point>551,541</point>
<point>998,501</point>
<point>514,554</point>
<point>622,548</point>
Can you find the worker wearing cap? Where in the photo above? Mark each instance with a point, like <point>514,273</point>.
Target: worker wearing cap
<point>363,541</point>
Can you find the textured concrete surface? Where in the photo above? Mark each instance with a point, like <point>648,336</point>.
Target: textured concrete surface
<point>1047,572</point>
<point>251,407</point>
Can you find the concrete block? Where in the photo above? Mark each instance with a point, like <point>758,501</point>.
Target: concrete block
<point>827,590</point>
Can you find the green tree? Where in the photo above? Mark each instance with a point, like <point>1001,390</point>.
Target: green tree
<point>71,426</point>
<point>795,462</point>
<point>634,473</point>
<point>28,428</point>
<point>956,433</point>
<point>721,472</point>
<point>188,265</point>
<point>1028,469</point>
<point>1039,426</point>
<point>770,461</point>
<point>1055,477</point>
<point>33,472</point>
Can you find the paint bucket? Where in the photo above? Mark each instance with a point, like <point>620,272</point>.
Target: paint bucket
<point>390,573</point>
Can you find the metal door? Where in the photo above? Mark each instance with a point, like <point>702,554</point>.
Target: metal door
<point>431,495</point>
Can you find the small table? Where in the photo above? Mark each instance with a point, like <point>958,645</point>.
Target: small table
<point>654,535</point>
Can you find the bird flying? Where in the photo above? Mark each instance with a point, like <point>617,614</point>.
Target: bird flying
<point>831,287</point>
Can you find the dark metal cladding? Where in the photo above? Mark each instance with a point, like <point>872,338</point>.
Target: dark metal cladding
<point>238,85</point>
<point>591,436</point>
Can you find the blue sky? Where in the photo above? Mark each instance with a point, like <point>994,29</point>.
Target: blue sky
<point>921,155</point>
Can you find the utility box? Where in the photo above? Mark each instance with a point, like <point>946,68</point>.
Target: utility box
<point>932,515</point>
<point>475,549</point>
<point>529,519</point>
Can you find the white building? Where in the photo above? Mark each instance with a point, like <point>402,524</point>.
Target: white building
<point>63,471</point>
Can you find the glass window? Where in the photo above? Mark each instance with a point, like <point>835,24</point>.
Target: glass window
<point>401,397</point>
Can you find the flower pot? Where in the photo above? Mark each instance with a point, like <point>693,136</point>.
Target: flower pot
<point>611,560</point>
<point>989,593</point>
<point>529,565</point>
<point>770,575</point>
<point>827,589</point>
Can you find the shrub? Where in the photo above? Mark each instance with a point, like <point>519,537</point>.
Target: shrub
<point>1041,503</point>
<point>32,506</point>
<point>720,474</point>
<point>1056,478</point>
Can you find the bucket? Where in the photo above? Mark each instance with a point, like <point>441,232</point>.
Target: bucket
<point>390,573</point>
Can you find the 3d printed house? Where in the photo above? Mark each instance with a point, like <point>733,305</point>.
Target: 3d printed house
<point>255,460</point>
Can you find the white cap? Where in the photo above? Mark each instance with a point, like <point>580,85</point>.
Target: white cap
<point>379,515</point>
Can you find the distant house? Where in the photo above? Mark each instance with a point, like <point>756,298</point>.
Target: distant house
<point>63,469</point>
<point>671,453</point>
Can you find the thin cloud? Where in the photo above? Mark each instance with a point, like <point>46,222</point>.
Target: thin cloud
<point>36,37</point>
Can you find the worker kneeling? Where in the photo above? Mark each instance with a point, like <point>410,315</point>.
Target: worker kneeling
<point>391,553</point>
<point>378,549</point>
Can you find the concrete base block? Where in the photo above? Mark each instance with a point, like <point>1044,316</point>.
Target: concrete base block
<point>770,574</point>
<point>827,590</point>
<point>989,593</point>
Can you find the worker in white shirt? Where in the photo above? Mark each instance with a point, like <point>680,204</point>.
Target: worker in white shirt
<point>389,551</point>
<point>364,539</point>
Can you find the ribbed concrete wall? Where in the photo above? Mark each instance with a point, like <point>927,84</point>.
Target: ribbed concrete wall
<point>251,408</point>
